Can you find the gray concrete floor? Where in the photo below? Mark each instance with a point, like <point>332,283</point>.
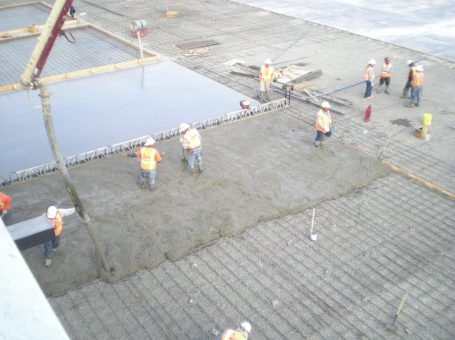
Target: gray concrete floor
<point>375,244</point>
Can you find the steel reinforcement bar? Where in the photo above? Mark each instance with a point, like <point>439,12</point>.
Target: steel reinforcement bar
<point>88,156</point>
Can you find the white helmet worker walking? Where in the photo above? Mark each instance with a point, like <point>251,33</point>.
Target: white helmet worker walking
<point>191,144</point>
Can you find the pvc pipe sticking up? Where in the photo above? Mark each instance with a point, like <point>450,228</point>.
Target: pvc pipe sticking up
<point>313,237</point>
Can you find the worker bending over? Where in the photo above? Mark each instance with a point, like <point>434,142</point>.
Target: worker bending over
<point>191,143</point>
<point>408,85</point>
<point>150,157</point>
<point>241,333</point>
<point>5,204</point>
<point>323,123</point>
<point>369,76</point>
<point>265,78</point>
<point>55,219</point>
<point>386,73</point>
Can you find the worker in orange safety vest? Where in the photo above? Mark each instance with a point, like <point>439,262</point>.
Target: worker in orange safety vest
<point>323,124</point>
<point>190,139</point>
<point>150,157</point>
<point>411,73</point>
<point>386,73</point>
<point>241,333</point>
<point>55,219</point>
<point>416,87</point>
<point>369,76</point>
<point>266,75</point>
<point>5,204</point>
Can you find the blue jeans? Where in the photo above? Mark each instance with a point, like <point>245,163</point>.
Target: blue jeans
<point>415,94</point>
<point>191,156</point>
<point>320,135</point>
<point>148,176</point>
<point>50,245</point>
<point>368,89</point>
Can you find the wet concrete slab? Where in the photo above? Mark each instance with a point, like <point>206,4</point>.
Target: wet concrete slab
<point>102,110</point>
<point>22,16</point>
<point>254,169</point>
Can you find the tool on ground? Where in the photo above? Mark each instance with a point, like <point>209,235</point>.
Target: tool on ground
<point>314,236</point>
<point>422,132</point>
<point>393,327</point>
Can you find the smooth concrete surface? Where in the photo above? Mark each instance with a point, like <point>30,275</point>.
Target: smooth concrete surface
<point>22,16</point>
<point>25,311</point>
<point>423,25</point>
<point>102,110</point>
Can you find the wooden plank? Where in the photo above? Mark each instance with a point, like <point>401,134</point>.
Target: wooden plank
<point>196,44</point>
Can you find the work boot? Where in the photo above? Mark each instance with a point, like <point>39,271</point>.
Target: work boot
<point>152,187</point>
<point>317,143</point>
<point>410,105</point>
<point>190,171</point>
<point>417,104</point>
<point>199,165</point>
<point>387,90</point>
<point>47,262</point>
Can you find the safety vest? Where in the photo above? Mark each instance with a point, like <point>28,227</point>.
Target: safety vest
<point>386,68</point>
<point>417,80</point>
<point>366,75</point>
<point>323,121</point>
<point>230,334</point>
<point>266,74</point>
<point>148,158</point>
<point>57,223</point>
<point>192,139</point>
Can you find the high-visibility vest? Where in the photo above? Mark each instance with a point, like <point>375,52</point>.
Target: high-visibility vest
<point>57,223</point>
<point>230,334</point>
<point>323,121</point>
<point>366,75</point>
<point>192,139</point>
<point>417,80</point>
<point>148,158</point>
<point>266,74</point>
<point>386,68</point>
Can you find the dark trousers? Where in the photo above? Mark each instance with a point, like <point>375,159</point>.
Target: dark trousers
<point>368,89</point>
<point>407,87</point>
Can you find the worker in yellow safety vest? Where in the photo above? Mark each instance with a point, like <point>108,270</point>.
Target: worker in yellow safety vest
<point>323,124</point>
<point>191,144</point>
<point>416,87</point>
<point>386,73</point>
<point>266,76</point>
<point>241,333</point>
<point>150,157</point>
<point>411,73</point>
<point>369,76</point>
<point>55,219</point>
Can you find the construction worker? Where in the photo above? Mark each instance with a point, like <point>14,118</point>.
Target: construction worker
<point>150,157</point>
<point>5,203</point>
<point>55,219</point>
<point>323,123</point>
<point>408,85</point>
<point>241,333</point>
<point>369,77</point>
<point>191,143</point>
<point>386,72</point>
<point>416,86</point>
<point>265,78</point>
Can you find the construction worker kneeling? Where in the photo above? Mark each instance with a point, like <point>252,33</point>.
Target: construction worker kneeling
<point>323,124</point>
<point>191,144</point>
<point>150,157</point>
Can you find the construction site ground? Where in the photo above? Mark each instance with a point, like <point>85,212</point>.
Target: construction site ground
<point>203,253</point>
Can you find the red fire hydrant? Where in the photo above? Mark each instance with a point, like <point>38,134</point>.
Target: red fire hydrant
<point>367,115</point>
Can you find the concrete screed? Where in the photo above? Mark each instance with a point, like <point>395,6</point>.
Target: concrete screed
<point>376,243</point>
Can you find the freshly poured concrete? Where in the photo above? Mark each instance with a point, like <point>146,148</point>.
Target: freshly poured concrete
<point>22,16</point>
<point>101,110</point>
<point>254,169</point>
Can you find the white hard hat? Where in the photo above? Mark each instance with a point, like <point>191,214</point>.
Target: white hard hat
<point>267,61</point>
<point>409,62</point>
<point>419,68</point>
<point>51,212</point>
<point>246,102</point>
<point>149,141</point>
<point>372,62</point>
<point>183,127</point>
<point>246,326</point>
<point>325,105</point>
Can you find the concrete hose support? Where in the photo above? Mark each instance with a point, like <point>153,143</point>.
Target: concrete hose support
<point>47,116</point>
